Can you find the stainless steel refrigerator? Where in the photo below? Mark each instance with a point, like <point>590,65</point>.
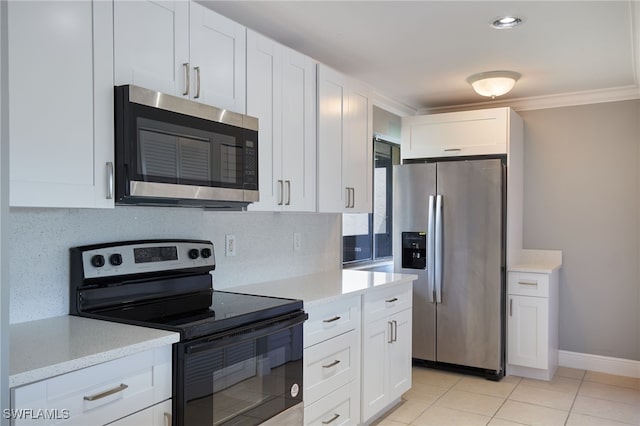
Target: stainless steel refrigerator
<point>449,229</point>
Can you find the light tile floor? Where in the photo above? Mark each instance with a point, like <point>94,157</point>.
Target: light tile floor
<point>572,398</point>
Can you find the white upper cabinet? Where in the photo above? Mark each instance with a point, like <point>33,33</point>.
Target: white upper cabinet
<point>281,93</point>
<point>60,73</point>
<point>152,44</point>
<point>481,132</point>
<point>180,48</point>
<point>217,55</point>
<point>344,144</point>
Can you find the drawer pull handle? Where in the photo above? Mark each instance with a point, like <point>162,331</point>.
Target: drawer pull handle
<point>452,150</point>
<point>336,318</point>
<point>528,282</point>
<point>395,299</point>
<point>333,364</point>
<point>331,420</point>
<point>106,393</point>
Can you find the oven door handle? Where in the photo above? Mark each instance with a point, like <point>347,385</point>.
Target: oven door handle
<point>248,332</point>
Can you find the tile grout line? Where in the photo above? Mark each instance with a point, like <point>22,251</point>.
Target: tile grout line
<point>505,400</point>
<point>575,398</point>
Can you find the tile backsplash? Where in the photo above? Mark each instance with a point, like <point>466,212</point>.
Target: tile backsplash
<point>39,240</point>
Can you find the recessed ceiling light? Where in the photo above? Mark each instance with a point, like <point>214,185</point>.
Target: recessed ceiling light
<point>507,22</point>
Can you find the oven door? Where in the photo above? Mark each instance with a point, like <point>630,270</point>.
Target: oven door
<point>242,376</point>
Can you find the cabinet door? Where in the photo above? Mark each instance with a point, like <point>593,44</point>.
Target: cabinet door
<point>60,72</point>
<point>217,53</point>
<point>332,109</point>
<point>357,151</point>
<point>157,415</point>
<point>478,132</point>
<point>264,101</point>
<point>152,44</point>
<point>375,366</point>
<point>298,131</point>
<point>400,355</point>
<point>528,331</point>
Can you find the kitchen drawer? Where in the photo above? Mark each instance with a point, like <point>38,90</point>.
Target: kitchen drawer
<point>331,319</point>
<point>99,394</point>
<point>341,407</point>
<point>528,284</point>
<point>330,364</point>
<point>387,301</point>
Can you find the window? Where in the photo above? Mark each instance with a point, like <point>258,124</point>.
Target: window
<point>367,237</point>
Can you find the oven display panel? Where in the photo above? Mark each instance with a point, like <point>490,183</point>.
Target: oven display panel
<point>155,254</point>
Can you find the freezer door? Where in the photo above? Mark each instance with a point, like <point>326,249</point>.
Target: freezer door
<point>469,316</point>
<point>414,184</point>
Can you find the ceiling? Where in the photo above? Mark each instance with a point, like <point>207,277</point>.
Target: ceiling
<point>419,53</point>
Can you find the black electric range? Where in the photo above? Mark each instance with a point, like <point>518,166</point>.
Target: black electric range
<point>228,340</point>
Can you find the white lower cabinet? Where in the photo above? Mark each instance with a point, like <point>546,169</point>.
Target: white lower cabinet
<point>332,362</point>
<point>158,415</point>
<point>532,325</point>
<point>340,407</point>
<point>133,390</point>
<point>386,361</point>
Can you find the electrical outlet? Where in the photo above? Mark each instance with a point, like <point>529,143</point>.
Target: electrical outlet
<point>230,245</point>
<point>297,241</point>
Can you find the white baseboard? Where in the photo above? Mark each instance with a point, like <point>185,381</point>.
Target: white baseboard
<point>602,364</point>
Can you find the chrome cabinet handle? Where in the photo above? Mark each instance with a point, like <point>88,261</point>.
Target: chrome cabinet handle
<point>510,307</point>
<point>395,330</point>
<point>348,198</point>
<point>452,150</point>
<point>197,71</point>
<point>281,195</point>
<point>533,283</point>
<point>333,364</point>
<point>187,79</point>
<point>168,420</point>
<point>331,420</point>
<point>336,318</point>
<point>110,180</point>
<point>395,299</point>
<point>390,324</point>
<point>106,393</point>
<point>353,197</point>
<point>288,183</point>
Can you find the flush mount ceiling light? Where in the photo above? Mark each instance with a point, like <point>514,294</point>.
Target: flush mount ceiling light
<point>505,22</point>
<point>493,83</point>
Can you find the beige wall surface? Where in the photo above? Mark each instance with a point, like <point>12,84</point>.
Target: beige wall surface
<point>582,196</point>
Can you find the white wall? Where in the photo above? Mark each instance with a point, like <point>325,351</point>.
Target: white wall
<point>39,240</point>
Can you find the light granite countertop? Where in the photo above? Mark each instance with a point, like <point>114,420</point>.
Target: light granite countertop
<point>536,261</point>
<point>49,347</point>
<point>325,286</point>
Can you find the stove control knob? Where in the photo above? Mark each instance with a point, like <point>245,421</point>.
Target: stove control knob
<point>115,259</point>
<point>97,260</point>
<point>194,254</point>
<point>205,253</point>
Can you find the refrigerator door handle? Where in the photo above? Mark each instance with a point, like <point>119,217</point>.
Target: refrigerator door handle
<point>438,249</point>
<point>430,249</point>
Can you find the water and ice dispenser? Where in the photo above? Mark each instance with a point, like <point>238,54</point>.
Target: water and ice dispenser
<point>414,250</point>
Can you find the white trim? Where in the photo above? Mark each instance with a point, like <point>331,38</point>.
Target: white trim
<point>614,94</point>
<point>635,37</point>
<point>384,102</point>
<point>603,364</point>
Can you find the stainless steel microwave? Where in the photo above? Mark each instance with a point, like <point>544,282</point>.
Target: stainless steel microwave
<point>173,151</point>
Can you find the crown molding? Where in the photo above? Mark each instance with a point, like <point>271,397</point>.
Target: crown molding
<point>614,94</point>
<point>398,108</point>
